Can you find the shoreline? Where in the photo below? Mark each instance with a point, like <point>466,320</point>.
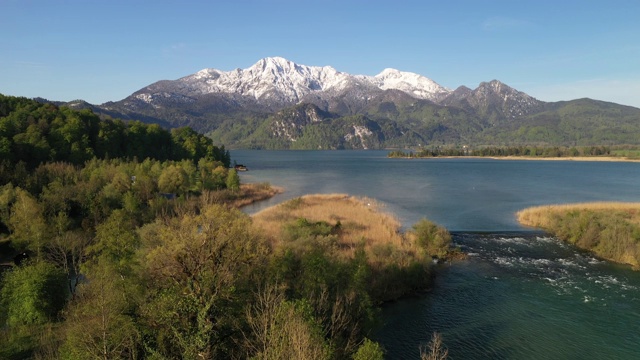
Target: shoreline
<point>252,193</point>
<point>601,228</point>
<point>538,211</point>
<point>529,158</point>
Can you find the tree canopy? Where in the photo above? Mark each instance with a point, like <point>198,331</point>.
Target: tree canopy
<point>35,133</point>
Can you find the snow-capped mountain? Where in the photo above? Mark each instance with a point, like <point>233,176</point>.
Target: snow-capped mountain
<point>277,103</point>
<point>275,82</point>
<point>413,84</point>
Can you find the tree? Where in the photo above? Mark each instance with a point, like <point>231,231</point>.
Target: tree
<point>32,294</point>
<point>173,180</point>
<point>98,325</point>
<point>369,350</point>
<point>27,223</point>
<point>212,174</point>
<point>66,248</point>
<point>431,237</point>
<point>116,240</point>
<point>7,198</point>
<point>219,177</point>
<point>233,180</point>
<point>196,268</point>
<point>435,349</point>
<point>284,329</point>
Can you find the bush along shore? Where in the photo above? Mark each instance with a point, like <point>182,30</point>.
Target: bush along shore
<point>609,230</point>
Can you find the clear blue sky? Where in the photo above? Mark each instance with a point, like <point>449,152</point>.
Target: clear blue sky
<point>105,50</point>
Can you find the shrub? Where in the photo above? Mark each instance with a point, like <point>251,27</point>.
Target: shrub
<point>434,239</point>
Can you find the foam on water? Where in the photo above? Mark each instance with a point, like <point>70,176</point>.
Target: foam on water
<point>556,263</point>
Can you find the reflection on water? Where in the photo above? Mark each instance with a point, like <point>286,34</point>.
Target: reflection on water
<point>520,294</point>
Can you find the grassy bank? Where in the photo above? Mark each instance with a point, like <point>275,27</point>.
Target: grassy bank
<point>346,228</point>
<point>361,222</point>
<point>610,230</point>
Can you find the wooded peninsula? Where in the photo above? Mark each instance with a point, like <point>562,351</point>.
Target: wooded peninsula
<point>124,240</point>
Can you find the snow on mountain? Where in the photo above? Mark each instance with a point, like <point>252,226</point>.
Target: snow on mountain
<point>270,78</point>
<point>275,79</point>
<point>414,84</point>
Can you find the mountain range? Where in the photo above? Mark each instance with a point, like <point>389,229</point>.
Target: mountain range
<point>279,104</point>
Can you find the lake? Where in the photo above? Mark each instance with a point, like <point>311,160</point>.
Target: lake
<point>521,294</point>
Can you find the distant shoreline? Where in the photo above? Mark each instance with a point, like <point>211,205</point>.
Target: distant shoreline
<point>566,158</point>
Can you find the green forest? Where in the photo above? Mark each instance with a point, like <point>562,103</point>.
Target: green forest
<point>33,133</point>
<point>117,242</point>
<point>410,124</point>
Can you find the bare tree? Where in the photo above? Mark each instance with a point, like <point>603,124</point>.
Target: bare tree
<point>280,329</point>
<point>434,350</point>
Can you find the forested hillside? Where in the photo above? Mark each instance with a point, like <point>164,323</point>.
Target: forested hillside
<point>33,133</point>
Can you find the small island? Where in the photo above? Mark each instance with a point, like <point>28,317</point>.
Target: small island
<point>611,230</point>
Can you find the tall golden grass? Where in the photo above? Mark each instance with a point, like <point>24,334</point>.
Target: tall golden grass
<point>246,195</point>
<point>610,230</point>
<point>362,223</point>
<point>542,216</point>
<point>344,228</point>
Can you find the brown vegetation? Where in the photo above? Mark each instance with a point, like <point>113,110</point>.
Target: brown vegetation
<point>610,230</point>
<point>347,228</point>
<point>246,195</point>
<point>360,223</point>
<point>435,349</point>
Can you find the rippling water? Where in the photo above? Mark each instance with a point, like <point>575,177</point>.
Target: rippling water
<point>520,294</point>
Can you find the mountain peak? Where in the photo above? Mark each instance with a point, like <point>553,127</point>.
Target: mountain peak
<point>495,86</point>
<point>388,72</point>
<point>277,62</point>
<point>413,84</point>
<point>276,82</point>
<point>275,59</point>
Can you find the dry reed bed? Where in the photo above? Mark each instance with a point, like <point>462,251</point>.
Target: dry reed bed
<point>246,195</point>
<point>361,223</point>
<point>611,230</point>
<point>541,216</point>
<point>251,193</point>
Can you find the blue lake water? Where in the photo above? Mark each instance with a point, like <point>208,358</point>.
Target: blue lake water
<point>521,294</point>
